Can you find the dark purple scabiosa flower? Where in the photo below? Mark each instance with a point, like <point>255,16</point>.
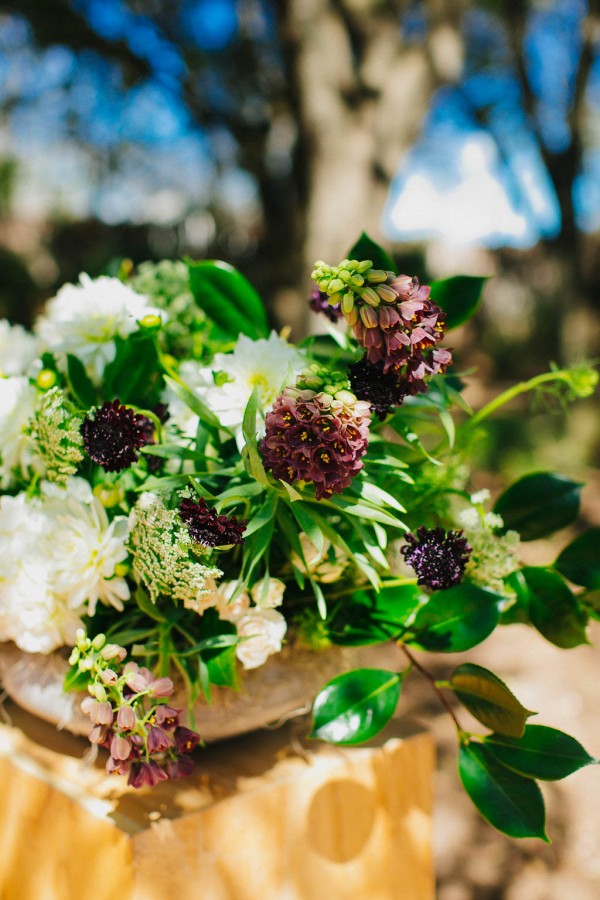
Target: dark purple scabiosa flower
<point>318,431</point>
<point>113,434</point>
<point>392,317</point>
<point>438,557</point>
<point>207,527</point>
<point>383,390</point>
<point>319,303</point>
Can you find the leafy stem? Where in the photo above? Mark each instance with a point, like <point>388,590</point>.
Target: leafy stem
<point>568,377</point>
<point>435,687</point>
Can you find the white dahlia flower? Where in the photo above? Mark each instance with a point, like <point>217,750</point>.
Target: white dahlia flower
<point>18,349</point>
<point>84,319</point>
<point>17,405</point>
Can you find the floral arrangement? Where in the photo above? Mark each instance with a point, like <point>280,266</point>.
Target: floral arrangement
<point>184,492</point>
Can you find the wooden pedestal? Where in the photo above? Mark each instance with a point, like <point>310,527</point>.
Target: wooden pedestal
<point>264,817</point>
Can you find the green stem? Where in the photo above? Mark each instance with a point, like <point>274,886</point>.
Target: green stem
<point>441,697</point>
<point>515,391</point>
<point>164,649</point>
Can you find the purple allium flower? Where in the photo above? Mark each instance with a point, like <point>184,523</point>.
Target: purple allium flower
<point>207,527</point>
<point>318,431</point>
<point>383,390</point>
<point>319,303</point>
<point>438,557</point>
<point>113,434</point>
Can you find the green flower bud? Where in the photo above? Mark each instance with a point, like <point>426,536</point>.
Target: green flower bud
<point>370,297</point>
<point>98,642</point>
<point>376,276</point>
<point>336,285</point>
<point>357,280</point>
<point>369,317</point>
<point>347,303</point>
<point>387,293</point>
<point>46,379</point>
<point>364,266</point>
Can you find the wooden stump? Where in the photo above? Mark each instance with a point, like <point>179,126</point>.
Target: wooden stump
<point>263,818</point>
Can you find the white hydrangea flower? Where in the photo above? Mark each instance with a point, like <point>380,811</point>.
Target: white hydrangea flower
<point>83,319</point>
<point>263,631</point>
<point>18,349</point>
<point>268,363</point>
<point>17,406</point>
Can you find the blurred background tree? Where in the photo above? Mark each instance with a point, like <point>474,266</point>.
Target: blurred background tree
<point>268,132</point>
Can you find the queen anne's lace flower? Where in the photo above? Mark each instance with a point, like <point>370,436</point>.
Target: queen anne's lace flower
<point>57,438</point>
<point>318,431</point>
<point>84,319</point>
<point>163,556</point>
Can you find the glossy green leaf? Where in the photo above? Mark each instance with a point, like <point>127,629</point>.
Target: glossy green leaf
<point>459,297</point>
<point>355,706</point>
<point>456,619</point>
<point>512,804</point>
<point>228,298</point>
<point>553,608</point>
<point>366,248</point>
<point>580,560</point>
<point>489,700</point>
<point>541,752</point>
<point>539,504</point>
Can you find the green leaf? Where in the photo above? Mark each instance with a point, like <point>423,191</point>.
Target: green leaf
<point>134,374</point>
<point>76,680</point>
<point>459,297</point>
<point>366,248</point>
<point>456,619</point>
<point>146,605</point>
<point>181,390</point>
<point>249,432</point>
<point>372,493</point>
<point>539,504</point>
<point>228,298</point>
<point>309,525</point>
<point>552,607</point>
<point>220,662</point>
<point>512,804</point>
<point>580,560</point>
<point>80,383</point>
<point>489,700</point>
<point>541,752</point>
<point>355,706</point>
